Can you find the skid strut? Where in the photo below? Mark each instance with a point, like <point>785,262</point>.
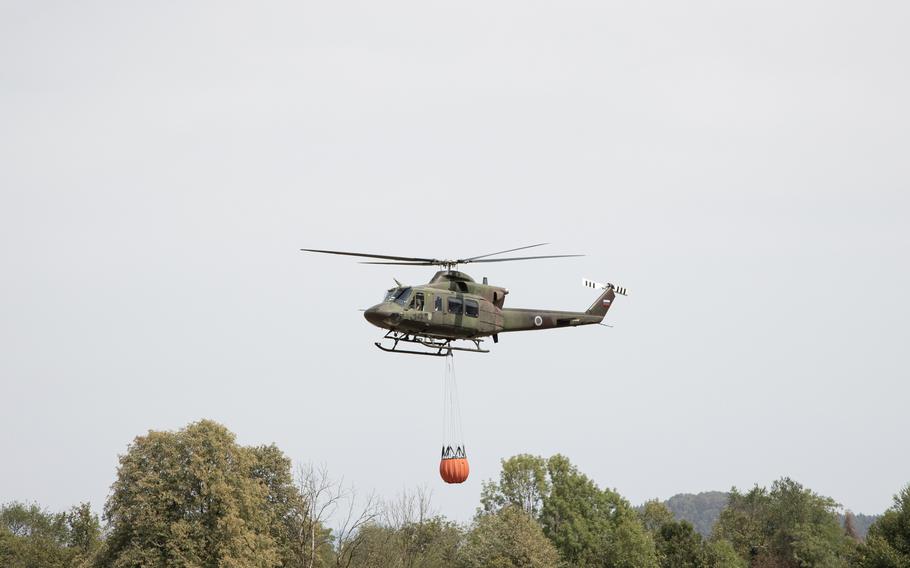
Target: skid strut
<point>435,347</point>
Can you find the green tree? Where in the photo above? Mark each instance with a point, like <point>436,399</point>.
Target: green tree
<point>272,469</point>
<point>196,498</point>
<point>788,526</point>
<point>590,526</point>
<point>522,483</point>
<point>678,544</point>
<point>654,515</point>
<point>508,538</point>
<point>888,542</point>
<point>430,543</point>
<point>33,537</point>
<point>721,554</point>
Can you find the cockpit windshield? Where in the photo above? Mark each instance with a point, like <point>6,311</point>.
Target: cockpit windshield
<point>398,295</point>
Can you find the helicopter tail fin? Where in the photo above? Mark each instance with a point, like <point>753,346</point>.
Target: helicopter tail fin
<point>603,303</point>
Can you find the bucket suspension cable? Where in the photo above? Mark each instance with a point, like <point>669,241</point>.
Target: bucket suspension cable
<point>453,465</point>
<point>452,433</point>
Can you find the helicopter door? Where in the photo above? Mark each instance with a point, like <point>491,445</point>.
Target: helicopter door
<point>417,302</point>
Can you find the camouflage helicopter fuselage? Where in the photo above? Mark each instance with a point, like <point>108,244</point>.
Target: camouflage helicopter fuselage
<point>453,306</point>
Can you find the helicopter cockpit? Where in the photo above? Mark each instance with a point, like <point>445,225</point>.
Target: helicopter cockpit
<point>398,295</point>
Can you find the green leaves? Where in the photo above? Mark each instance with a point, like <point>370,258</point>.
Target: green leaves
<point>32,537</point>
<point>787,525</point>
<point>522,483</point>
<point>196,498</point>
<point>507,538</point>
<point>587,525</point>
<point>888,543</point>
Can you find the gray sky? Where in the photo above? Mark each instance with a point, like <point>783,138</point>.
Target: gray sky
<point>741,167</point>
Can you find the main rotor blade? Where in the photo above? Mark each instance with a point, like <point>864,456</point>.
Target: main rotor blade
<point>473,258</point>
<point>524,258</point>
<point>366,255</point>
<point>402,263</point>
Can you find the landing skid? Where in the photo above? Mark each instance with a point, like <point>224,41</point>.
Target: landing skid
<point>434,347</point>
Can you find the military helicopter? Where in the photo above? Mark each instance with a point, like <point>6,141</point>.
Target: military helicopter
<point>453,307</point>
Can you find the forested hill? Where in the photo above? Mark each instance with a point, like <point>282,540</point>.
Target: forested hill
<point>700,509</point>
<point>703,509</point>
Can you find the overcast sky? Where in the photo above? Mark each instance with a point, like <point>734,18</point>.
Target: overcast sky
<point>741,167</point>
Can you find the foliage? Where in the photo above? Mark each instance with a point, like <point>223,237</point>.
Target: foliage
<point>788,526</point>
<point>522,483</point>
<point>31,536</point>
<point>721,554</point>
<point>678,544</point>
<point>429,543</point>
<point>590,526</point>
<point>196,498</point>
<point>888,541</point>
<point>654,515</point>
<point>507,538</point>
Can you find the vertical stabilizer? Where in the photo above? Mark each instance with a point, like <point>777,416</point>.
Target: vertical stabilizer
<point>602,304</point>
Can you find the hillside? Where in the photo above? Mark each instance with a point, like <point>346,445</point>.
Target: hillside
<point>703,509</point>
<point>700,509</point>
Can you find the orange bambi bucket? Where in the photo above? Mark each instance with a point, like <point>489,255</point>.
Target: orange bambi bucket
<point>454,470</point>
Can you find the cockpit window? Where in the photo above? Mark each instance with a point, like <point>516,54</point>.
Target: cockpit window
<point>398,295</point>
<point>402,296</point>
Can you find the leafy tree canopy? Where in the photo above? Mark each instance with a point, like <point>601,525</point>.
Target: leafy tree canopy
<point>788,526</point>
<point>888,542</point>
<point>522,483</point>
<point>508,538</point>
<point>196,498</point>
<point>33,537</point>
<point>590,526</point>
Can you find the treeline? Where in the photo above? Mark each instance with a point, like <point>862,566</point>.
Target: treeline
<point>195,498</point>
<point>703,509</point>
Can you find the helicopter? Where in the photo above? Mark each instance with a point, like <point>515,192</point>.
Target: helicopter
<point>453,307</point>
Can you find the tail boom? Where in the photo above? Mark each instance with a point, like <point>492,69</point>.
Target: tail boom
<point>521,319</point>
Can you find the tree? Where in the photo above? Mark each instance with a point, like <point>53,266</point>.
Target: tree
<point>786,526</point>
<point>888,542</point>
<point>677,543</point>
<point>322,499</point>
<point>590,526</point>
<point>431,543</point>
<point>654,515</point>
<point>721,554</point>
<point>508,538</point>
<point>850,527</point>
<point>522,483</point>
<point>196,498</point>
<point>31,536</point>
<point>679,546</point>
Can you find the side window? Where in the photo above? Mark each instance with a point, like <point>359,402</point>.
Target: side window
<point>455,306</point>
<point>471,308</point>
<point>438,304</point>
<point>417,302</point>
